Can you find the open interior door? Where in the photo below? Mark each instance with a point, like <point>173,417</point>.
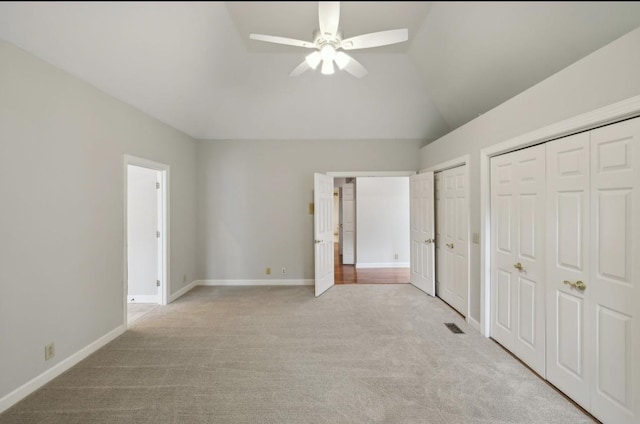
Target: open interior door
<point>348,224</point>
<point>323,232</point>
<point>422,232</point>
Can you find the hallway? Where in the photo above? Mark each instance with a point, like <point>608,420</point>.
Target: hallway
<point>348,274</point>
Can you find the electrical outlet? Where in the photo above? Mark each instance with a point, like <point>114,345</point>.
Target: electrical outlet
<point>184,279</point>
<point>49,351</point>
<point>476,238</point>
<point>284,271</point>
<point>395,256</point>
<point>268,271</point>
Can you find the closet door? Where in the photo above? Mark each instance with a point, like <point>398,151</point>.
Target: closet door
<point>615,272</point>
<point>568,329</point>
<point>454,238</point>
<point>517,254</point>
<point>439,228</point>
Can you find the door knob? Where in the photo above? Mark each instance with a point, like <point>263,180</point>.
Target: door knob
<point>317,241</point>
<point>577,285</point>
<point>518,266</point>
<point>429,241</point>
<point>450,245</point>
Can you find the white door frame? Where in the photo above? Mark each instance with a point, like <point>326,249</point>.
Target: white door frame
<point>606,115</point>
<point>163,220</point>
<point>454,163</point>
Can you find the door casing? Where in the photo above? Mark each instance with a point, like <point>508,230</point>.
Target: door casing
<point>164,226</point>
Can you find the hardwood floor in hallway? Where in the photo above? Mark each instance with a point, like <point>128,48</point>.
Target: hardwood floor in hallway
<point>348,274</point>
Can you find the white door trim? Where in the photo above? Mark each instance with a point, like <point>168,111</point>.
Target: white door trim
<point>351,174</point>
<point>606,115</point>
<point>453,163</point>
<point>164,225</point>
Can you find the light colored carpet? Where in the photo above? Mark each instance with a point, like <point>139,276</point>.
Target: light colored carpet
<point>137,310</point>
<point>357,354</point>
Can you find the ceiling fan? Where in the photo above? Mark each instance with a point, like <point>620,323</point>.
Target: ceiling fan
<point>329,44</point>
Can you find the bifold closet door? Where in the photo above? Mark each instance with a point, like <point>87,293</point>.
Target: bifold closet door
<point>615,273</point>
<point>569,331</point>
<point>517,254</point>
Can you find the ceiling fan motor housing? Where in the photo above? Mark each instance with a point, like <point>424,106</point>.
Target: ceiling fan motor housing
<point>333,39</point>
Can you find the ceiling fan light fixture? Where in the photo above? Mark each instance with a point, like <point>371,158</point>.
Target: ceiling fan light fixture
<point>329,43</point>
<point>342,59</point>
<point>328,52</point>
<point>327,67</point>
<point>313,60</point>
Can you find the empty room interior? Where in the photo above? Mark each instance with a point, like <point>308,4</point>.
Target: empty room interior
<point>320,212</point>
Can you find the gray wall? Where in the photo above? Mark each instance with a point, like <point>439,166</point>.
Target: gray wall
<point>254,200</point>
<point>62,143</point>
<point>606,76</point>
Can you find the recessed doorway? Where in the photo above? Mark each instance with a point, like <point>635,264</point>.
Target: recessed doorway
<point>145,237</point>
<point>371,219</point>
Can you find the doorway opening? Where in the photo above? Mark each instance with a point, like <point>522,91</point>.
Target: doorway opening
<point>371,230</point>
<point>146,238</point>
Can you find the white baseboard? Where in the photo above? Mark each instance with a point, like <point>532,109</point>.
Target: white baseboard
<point>473,323</point>
<point>307,282</point>
<point>143,298</point>
<point>183,290</point>
<point>383,265</point>
<point>34,384</point>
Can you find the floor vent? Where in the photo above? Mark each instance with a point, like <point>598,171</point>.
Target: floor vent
<point>454,328</point>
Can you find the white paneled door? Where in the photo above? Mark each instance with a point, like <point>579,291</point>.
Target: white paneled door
<point>348,224</point>
<point>144,247</point>
<point>439,228</point>
<point>422,232</point>
<point>517,254</point>
<point>568,327</point>
<point>323,232</point>
<point>592,265</point>
<point>614,304</point>
<point>452,237</point>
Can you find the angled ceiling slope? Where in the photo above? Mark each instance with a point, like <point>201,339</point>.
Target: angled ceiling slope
<point>475,55</point>
<point>193,66</point>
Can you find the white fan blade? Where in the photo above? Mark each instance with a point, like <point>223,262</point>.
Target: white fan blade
<point>375,39</point>
<point>282,40</point>
<point>354,67</point>
<point>304,66</point>
<point>314,59</point>
<point>329,17</point>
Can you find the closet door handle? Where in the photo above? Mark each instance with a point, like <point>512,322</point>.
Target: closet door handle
<point>577,285</point>
<point>518,266</point>
<point>450,245</point>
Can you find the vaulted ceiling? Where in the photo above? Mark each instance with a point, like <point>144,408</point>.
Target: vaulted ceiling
<point>193,66</point>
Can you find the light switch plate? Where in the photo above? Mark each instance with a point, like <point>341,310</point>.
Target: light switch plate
<point>476,238</point>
